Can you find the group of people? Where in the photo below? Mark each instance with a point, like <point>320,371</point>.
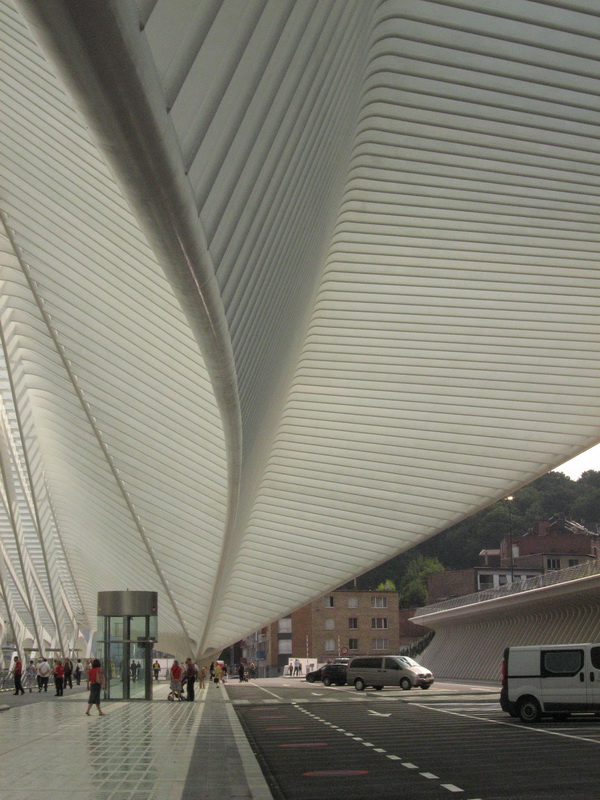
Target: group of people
<point>38,674</point>
<point>63,670</point>
<point>185,676</point>
<point>295,669</point>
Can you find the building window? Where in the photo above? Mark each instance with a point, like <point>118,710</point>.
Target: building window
<point>379,622</point>
<point>380,644</point>
<point>573,562</point>
<point>379,602</point>
<point>553,563</point>
<point>285,646</point>
<point>486,581</point>
<point>353,622</point>
<point>329,602</point>
<point>502,580</point>
<point>353,602</point>
<point>329,624</point>
<point>352,644</point>
<point>285,625</point>
<point>330,645</point>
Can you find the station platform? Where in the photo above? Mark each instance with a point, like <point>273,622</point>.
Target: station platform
<point>140,750</point>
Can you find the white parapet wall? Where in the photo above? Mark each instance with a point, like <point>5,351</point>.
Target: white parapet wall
<point>469,640</point>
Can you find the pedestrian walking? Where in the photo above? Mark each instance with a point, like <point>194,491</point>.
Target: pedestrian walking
<point>17,673</point>
<point>190,674</point>
<point>78,672</point>
<point>95,681</point>
<point>44,670</point>
<point>176,673</point>
<point>241,672</point>
<point>59,674</point>
<point>68,677</point>
<point>30,678</point>
<point>156,670</point>
<point>202,677</point>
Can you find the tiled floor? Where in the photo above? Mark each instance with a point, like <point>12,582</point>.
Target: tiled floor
<point>138,751</point>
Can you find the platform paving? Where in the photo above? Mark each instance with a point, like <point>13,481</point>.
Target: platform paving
<point>140,750</point>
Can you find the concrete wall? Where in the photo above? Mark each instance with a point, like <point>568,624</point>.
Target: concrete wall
<point>469,641</point>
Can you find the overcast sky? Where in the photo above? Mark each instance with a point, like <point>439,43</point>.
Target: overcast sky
<point>588,460</point>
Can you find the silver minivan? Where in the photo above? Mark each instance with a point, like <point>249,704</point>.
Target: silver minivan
<point>380,671</point>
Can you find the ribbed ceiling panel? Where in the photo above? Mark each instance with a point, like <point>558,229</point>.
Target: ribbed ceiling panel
<point>129,432</point>
<point>397,205</point>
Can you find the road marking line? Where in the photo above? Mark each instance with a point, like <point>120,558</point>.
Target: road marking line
<point>368,744</point>
<point>408,765</point>
<point>348,734</point>
<point>429,775</point>
<point>394,758</point>
<point>524,728</point>
<point>379,750</point>
<point>451,787</point>
<point>357,738</point>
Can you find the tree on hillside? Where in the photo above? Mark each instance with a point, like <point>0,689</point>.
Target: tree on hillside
<point>386,586</point>
<point>412,589</point>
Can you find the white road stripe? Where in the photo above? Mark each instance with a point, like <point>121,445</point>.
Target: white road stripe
<point>524,728</point>
<point>451,787</point>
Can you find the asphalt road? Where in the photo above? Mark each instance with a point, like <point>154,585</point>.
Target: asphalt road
<point>317,743</point>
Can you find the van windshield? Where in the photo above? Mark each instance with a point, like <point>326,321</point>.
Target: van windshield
<point>410,662</point>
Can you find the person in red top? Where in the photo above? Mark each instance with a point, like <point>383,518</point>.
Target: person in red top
<point>176,673</point>
<point>59,674</point>
<point>94,684</point>
<point>17,675</point>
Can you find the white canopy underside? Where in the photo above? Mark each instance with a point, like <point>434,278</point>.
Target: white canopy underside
<point>287,287</point>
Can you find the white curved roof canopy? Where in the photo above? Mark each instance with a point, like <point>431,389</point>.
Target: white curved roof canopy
<point>288,287</point>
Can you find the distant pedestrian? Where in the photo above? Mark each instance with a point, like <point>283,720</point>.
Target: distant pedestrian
<point>252,670</point>
<point>95,681</point>
<point>17,672</point>
<point>156,670</point>
<point>218,673</point>
<point>30,678</point>
<point>68,679</point>
<point>176,673</point>
<point>190,675</point>
<point>133,671</point>
<point>224,673</point>
<point>59,674</point>
<point>241,672</point>
<point>211,670</point>
<point>44,670</point>
<point>78,672</point>
<point>202,677</point>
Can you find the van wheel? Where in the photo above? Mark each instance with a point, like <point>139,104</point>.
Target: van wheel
<point>529,710</point>
<point>426,686</point>
<point>326,681</point>
<point>405,684</point>
<point>310,678</point>
<point>379,688</point>
<point>359,685</point>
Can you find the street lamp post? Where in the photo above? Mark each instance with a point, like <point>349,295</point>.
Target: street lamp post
<point>510,539</point>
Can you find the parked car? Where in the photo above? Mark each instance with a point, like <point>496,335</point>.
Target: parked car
<point>554,680</point>
<point>317,674</point>
<point>380,671</point>
<point>334,673</point>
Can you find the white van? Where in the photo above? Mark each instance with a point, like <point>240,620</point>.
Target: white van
<point>380,671</point>
<point>554,680</point>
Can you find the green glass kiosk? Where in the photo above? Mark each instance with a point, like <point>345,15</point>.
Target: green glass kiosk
<point>127,631</point>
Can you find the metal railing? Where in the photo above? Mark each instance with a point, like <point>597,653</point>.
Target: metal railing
<point>548,579</point>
